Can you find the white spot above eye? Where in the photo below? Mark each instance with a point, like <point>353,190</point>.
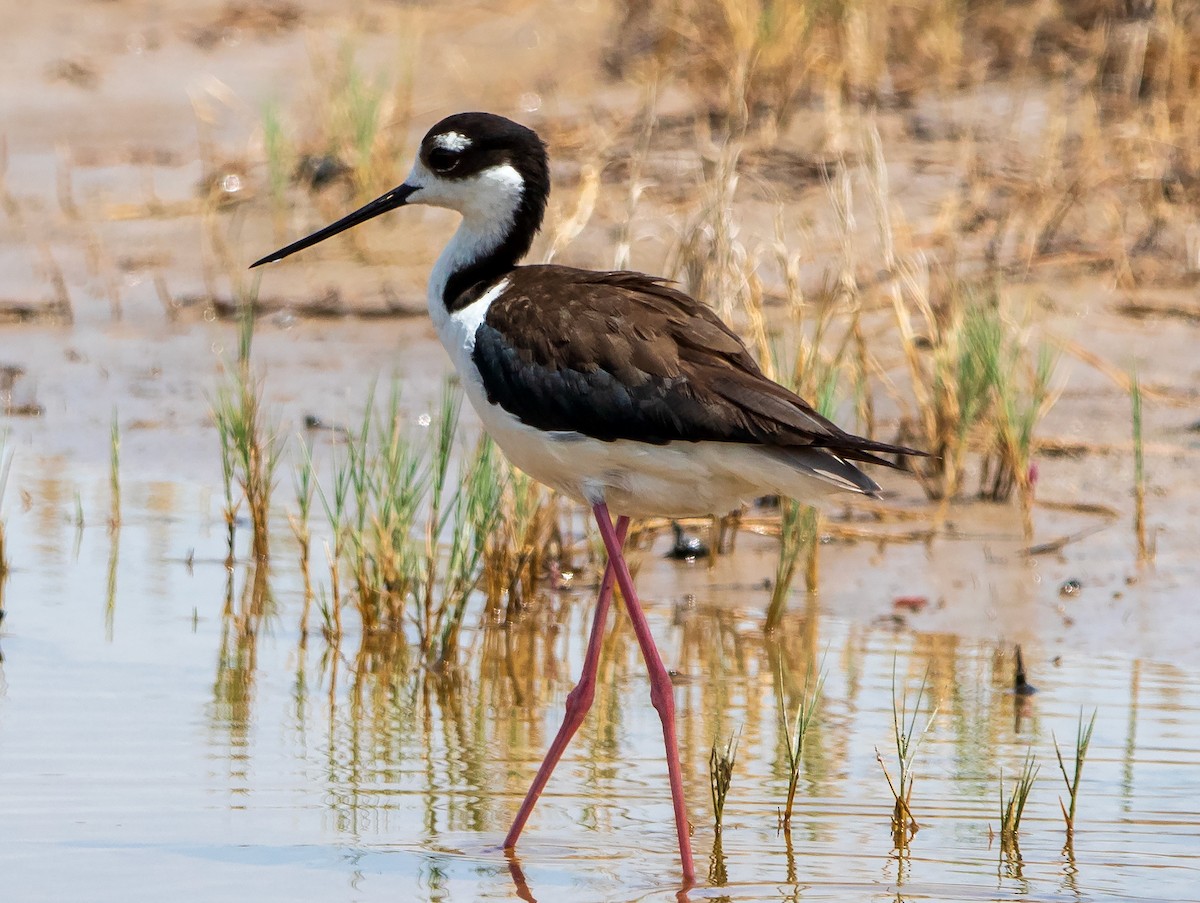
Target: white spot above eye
<point>452,141</point>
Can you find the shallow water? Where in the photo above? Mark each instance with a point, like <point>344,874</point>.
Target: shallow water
<point>160,753</point>
<point>150,750</point>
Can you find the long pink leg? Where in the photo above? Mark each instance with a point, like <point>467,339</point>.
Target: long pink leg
<point>579,700</point>
<point>662,693</point>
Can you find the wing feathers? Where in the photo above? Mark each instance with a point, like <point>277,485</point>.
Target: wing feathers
<point>624,356</point>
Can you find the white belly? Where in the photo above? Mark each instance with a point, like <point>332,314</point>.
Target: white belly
<point>679,479</point>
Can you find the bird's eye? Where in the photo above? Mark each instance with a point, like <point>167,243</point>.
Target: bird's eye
<point>443,160</point>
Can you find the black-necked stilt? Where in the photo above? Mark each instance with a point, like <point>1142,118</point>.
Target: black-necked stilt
<point>611,387</point>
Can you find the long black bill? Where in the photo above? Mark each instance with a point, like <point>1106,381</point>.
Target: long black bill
<point>397,197</point>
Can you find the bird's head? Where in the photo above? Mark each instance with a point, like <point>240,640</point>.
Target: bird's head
<point>488,168</point>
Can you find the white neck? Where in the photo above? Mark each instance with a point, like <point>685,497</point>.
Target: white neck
<point>472,241</point>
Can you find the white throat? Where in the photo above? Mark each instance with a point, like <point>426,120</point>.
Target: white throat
<point>488,202</point>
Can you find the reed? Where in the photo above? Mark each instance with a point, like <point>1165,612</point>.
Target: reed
<point>114,473</point>
<point>250,453</point>
<point>335,512</point>
<point>720,776</point>
<point>524,545</point>
<point>1019,409</point>
<point>799,525</point>
<point>907,740</point>
<point>1139,471</point>
<point>1012,807</point>
<point>1083,740</point>
<point>476,511</point>
<point>976,390</point>
<point>386,479</point>
<point>232,500</point>
<point>250,447</point>
<point>413,521</point>
<point>796,734</point>
<point>798,538</point>
<point>301,528</point>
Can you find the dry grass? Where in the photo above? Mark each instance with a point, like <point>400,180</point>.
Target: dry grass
<point>353,124</point>
<point>250,445</point>
<point>420,524</point>
<point>1096,162</point>
<point>977,384</point>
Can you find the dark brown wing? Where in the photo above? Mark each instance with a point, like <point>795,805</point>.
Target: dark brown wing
<point>622,355</point>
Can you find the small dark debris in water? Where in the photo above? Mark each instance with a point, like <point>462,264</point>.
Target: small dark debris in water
<point>24,410</point>
<point>82,73</point>
<point>317,171</point>
<point>313,422</point>
<point>1021,686</point>
<point>1070,588</point>
<point>767,501</point>
<point>1056,661</point>
<point>328,305</point>
<point>1146,308</point>
<point>1064,448</point>
<point>1194,427</point>
<point>9,374</point>
<point>14,311</point>
<point>894,621</point>
<point>686,548</point>
<point>910,603</point>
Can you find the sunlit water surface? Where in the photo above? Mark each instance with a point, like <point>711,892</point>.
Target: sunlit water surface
<point>149,751</point>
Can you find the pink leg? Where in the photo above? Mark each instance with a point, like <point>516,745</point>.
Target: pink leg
<point>579,700</point>
<point>662,693</point>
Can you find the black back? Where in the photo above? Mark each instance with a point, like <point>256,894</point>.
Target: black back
<point>624,356</point>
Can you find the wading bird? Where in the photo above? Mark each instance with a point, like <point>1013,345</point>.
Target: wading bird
<point>614,388</point>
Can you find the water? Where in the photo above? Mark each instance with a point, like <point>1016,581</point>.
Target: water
<point>149,751</point>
